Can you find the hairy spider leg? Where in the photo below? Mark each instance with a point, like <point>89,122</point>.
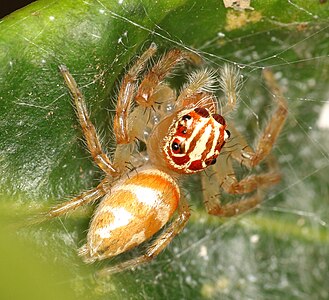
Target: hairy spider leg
<point>95,149</point>
<point>87,197</point>
<point>158,72</point>
<point>243,153</point>
<point>126,96</point>
<point>229,81</point>
<point>131,125</point>
<point>224,177</point>
<point>89,131</point>
<point>197,91</point>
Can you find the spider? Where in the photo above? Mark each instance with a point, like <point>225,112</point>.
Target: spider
<point>183,135</point>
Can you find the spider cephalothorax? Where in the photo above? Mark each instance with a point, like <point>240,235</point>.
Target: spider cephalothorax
<point>194,140</point>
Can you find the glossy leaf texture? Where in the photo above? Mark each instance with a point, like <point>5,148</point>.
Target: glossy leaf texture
<point>280,251</point>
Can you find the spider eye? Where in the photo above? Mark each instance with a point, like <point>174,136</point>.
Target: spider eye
<point>186,117</point>
<point>175,146</point>
<point>228,133</point>
<point>219,119</point>
<point>181,129</point>
<point>202,112</point>
<point>211,162</point>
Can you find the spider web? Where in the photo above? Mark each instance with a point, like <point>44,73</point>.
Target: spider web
<point>282,249</point>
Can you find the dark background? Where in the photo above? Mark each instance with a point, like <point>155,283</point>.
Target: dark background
<point>8,6</point>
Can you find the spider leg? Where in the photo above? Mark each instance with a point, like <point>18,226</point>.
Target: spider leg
<point>243,153</point>
<point>252,182</point>
<point>239,207</point>
<point>129,126</point>
<point>200,85</point>
<point>197,91</point>
<point>93,143</point>
<point>229,82</point>
<point>276,122</point>
<point>224,177</point>
<point>158,72</point>
<point>86,197</point>
<point>160,243</point>
<point>126,96</point>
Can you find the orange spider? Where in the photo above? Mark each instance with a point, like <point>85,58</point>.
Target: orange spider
<point>183,135</point>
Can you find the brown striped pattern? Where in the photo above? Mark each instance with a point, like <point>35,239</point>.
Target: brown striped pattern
<point>200,138</point>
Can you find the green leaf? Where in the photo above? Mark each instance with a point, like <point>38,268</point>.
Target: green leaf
<point>281,251</point>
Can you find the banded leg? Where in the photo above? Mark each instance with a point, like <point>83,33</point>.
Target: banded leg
<point>93,143</point>
<point>161,242</point>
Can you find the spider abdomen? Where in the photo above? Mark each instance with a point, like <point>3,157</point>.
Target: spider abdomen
<point>136,209</point>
